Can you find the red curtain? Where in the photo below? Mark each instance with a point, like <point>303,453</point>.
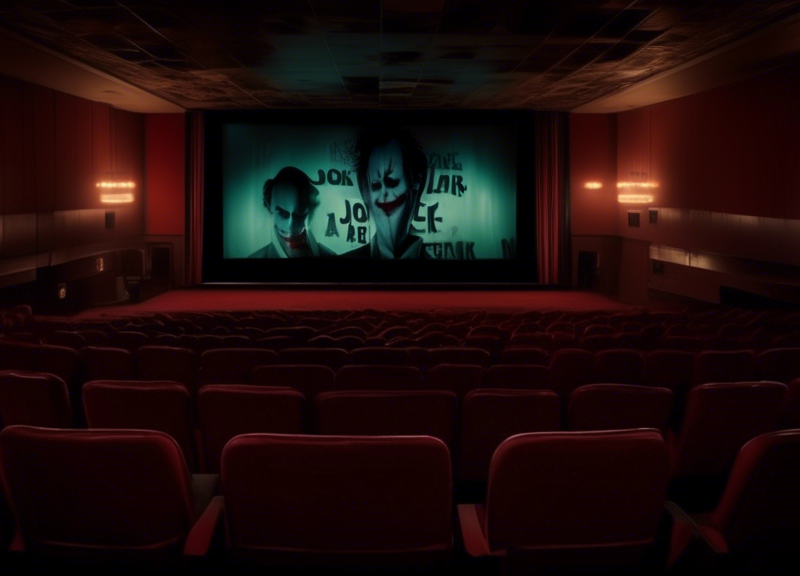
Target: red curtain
<point>552,198</point>
<point>195,180</point>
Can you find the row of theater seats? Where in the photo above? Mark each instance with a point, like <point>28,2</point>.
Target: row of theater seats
<point>554,499</point>
<point>690,329</point>
<point>516,368</point>
<point>719,418</point>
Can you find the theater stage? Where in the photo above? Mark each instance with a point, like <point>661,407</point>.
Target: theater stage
<point>401,299</point>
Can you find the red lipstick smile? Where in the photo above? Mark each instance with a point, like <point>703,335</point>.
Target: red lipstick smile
<point>295,241</point>
<point>390,207</point>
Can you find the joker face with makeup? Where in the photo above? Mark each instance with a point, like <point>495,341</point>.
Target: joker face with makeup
<point>391,170</point>
<point>290,198</point>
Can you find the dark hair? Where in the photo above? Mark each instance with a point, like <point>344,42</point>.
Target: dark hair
<point>415,164</point>
<point>298,179</point>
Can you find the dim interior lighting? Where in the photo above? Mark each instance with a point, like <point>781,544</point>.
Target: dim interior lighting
<point>634,198</point>
<point>118,198</point>
<point>593,185</point>
<point>642,185</point>
<point>108,184</point>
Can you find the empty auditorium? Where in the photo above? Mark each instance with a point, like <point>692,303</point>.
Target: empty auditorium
<point>442,286</point>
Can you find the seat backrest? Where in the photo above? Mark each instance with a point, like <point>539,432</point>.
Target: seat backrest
<point>617,406</point>
<point>228,410</point>
<point>333,358</point>
<point>107,363</point>
<point>760,507</point>
<point>722,366</point>
<point>309,379</point>
<point>62,361</point>
<point>233,365</point>
<point>570,368</point>
<point>668,369</point>
<point>517,376</point>
<point>778,364</point>
<point>16,355</point>
<point>491,416</point>
<point>372,377</point>
<point>720,418</point>
<point>790,409</point>
<point>382,356</point>
<point>168,363</point>
<point>388,413</point>
<point>459,355</point>
<point>458,378</point>
<point>338,494</point>
<point>34,399</point>
<point>143,405</point>
<point>576,489</point>
<point>622,366</point>
<point>97,489</point>
<point>525,355</point>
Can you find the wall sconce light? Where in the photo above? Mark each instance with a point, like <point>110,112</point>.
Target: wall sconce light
<point>634,198</point>
<point>118,198</point>
<point>593,185</point>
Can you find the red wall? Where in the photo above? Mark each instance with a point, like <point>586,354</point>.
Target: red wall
<point>166,174</point>
<point>726,162</point>
<point>53,149</point>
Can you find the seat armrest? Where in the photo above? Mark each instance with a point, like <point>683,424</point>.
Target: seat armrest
<point>474,540</point>
<point>683,531</point>
<point>199,540</point>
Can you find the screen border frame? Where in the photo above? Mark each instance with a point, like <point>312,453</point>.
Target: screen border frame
<point>520,270</point>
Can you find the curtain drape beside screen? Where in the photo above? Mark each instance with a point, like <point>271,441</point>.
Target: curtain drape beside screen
<point>552,197</point>
<point>195,179</point>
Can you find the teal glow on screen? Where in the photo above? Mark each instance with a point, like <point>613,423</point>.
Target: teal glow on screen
<point>466,209</point>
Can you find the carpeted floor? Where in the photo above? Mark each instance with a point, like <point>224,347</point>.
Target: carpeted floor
<point>508,301</point>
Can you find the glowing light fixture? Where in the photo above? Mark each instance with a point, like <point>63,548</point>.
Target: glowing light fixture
<point>110,184</point>
<point>117,198</point>
<point>642,185</point>
<point>593,185</point>
<point>634,198</point>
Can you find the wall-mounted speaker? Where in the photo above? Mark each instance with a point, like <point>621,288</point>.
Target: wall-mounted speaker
<point>633,218</point>
<point>652,216</point>
<point>110,220</point>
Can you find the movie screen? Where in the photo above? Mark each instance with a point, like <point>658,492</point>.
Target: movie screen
<point>373,191</point>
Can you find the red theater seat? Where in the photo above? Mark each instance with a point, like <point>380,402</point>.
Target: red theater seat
<point>114,494</point>
<point>790,409</point>
<point>168,364</point>
<point>226,411</point>
<point>309,379</point>
<point>382,356</point>
<point>333,358</point>
<point>620,366</point>
<point>524,355</point>
<point>570,368</point>
<point>756,523</point>
<point>233,365</point>
<point>571,498</point>
<point>458,378</point>
<point>720,418</point>
<point>107,363</point>
<point>336,499</point>
<point>465,355</point>
<point>388,413</point>
<point>522,376</point>
<point>144,405</point>
<point>616,406</point>
<point>34,399</point>
<point>778,364</point>
<point>367,377</point>
<point>491,416</point>
<point>722,366</point>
